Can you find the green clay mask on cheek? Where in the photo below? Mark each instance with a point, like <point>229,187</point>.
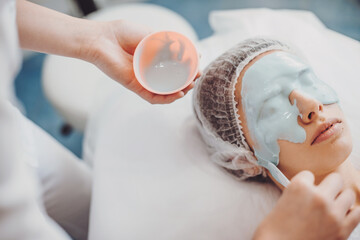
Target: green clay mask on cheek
<point>270,116</point>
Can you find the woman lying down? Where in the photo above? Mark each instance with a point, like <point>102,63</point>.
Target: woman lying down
<point>264,114</point>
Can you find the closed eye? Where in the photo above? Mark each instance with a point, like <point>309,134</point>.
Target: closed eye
<point>306,77</point>
<point>269,108</point>
<point>273,93</point>
<point>304,71</point>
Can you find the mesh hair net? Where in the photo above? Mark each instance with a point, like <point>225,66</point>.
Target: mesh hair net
<point>216,109</point>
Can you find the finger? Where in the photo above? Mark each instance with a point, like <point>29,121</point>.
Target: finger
<point>154,98</point>
<point>331,185</point>
<point>305,177</point>
<point>198,74</point>
<point>130,34</point>
<point>345,201</point>
<point>351,221</point>
<point>171,99</point>
<point>165,99</point>
<point>188,88</point>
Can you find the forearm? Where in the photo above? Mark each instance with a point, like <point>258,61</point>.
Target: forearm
<point>45,30</point>
<point>109,45</point>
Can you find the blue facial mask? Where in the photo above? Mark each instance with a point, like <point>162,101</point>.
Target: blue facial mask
<point>270,116</point>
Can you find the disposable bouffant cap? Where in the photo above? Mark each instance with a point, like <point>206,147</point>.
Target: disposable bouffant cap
<point>216,108</point>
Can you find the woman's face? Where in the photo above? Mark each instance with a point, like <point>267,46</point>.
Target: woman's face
<point>328,141</point>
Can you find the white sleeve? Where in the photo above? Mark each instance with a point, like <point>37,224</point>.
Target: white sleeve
<point>22,217</point>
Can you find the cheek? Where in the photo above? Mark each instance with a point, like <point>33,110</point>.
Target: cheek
<point>294,157</point>
<point>340,149</point>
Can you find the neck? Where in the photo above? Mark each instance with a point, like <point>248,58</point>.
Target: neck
<point>350,175</point>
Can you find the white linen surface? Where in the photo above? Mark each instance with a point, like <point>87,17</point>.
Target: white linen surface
<point>152,175</point>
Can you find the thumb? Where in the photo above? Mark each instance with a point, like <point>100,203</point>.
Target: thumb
<point>130,34</point>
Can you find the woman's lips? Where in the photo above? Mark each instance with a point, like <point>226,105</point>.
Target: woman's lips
<point>331,128</point>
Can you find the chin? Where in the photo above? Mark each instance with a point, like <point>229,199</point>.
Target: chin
<point>335,155</point>
<point>341,148</point>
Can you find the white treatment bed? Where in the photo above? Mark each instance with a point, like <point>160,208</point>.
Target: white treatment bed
<point>152,176</point>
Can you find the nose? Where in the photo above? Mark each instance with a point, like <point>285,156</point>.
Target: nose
<point>309,107</point>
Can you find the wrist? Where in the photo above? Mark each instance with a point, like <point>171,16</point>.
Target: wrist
<point>92,41</point>
<point>85,39</point>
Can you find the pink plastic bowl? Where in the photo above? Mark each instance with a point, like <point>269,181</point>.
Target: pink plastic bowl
<point>165,62</point>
